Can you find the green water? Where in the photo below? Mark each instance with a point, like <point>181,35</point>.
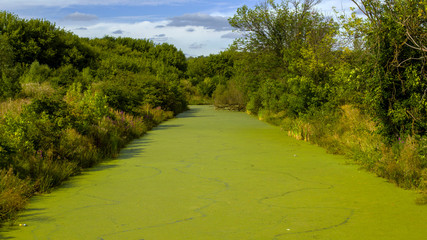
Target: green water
<point>223,175</point>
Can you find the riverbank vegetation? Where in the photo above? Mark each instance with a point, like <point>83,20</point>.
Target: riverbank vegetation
<point>353,84</point>
<point>68,103</point>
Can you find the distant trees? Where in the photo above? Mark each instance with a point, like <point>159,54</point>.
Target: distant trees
<point>208,72</point>
<point>282,28</point>
<point>42,41</point>
<point>288,46</point>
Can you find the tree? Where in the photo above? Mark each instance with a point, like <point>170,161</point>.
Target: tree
<point>41,40</point>
<point>9,84</point>
<point>398,85</point>
<point>274,27</point>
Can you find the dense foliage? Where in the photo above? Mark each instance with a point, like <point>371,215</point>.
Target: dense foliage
<point>356,86</point>
<point>66,103</point>
<point>353,85</point>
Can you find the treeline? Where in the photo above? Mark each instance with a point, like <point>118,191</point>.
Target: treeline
<point>66,103</point>
<point>354,85</point>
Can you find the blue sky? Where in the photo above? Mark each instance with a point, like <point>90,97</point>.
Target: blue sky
<point>197,27</point>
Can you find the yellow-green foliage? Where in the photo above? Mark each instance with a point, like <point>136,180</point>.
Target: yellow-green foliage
<point>13,106</point>
<point>49,172</point>
<point>36,90</point>
<point>229,97</point>
<point>47,155</point>
<point>14,193</point>
<point>402,164</point>
<point>78,148</point>
<point>354,134</point>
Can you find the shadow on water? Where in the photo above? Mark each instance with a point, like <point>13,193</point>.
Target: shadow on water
<point>189,113</point>
<point>167,126</point>
<point>34,214</point>
<point>3,237</point>
<point>134,149</point>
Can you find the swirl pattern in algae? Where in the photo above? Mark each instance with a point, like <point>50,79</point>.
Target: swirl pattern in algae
<point>223,175</point>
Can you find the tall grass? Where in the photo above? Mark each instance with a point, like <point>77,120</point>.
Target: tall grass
<point>14,193</point>
<point>35,90</point>
<point>13,106</point>
<point>352,133</point>
<point>49,147</point>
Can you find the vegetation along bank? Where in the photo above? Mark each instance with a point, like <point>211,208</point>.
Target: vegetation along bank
<point>68,102</point>
<point>356,86</point>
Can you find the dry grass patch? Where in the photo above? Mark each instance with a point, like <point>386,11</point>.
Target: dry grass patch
<point>13,106</point>
<point>34,90</point>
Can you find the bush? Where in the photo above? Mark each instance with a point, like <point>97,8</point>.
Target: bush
<point>47,171</point>
<point>229,97</point>
<point>86,108</point>
<point>14,193</point>
<point>77,148</point>
<point>36,74</point>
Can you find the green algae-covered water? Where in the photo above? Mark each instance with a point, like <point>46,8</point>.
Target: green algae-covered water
<point>223,175</point>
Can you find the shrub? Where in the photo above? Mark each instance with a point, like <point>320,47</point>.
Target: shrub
<point>14,193</point>
<point>75,147</point>
<point>86,108</point>
<point>48,172</point>
<point>36,73</point>
<point>229,97</point>
<point>105,137</point>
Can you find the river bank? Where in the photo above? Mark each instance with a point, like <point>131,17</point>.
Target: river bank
<point>223,175</point>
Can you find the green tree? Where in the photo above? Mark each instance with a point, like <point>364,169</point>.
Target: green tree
<point>9,84</point>
<point>41,40</point>
<point>397,90</point>
<point>275,27</point>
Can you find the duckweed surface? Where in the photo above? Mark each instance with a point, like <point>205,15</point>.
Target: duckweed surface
<point>222,175</point>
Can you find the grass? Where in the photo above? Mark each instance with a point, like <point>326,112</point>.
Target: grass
<point>40,152</point>
<point>13,106</point>
<point>14,194</point>
<point>35,90</point>
<point>352,133</point>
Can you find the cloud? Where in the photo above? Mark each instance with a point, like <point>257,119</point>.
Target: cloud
<point>201,41</point>
<point>81,28</point>
<point>159,38</point>
<point>232,35</point>
<point>217,23</point>
<point>77,16</point>
<point>196,46</point>
<point>190,30</point>
<point>118,32</point>
<point>20,4</point>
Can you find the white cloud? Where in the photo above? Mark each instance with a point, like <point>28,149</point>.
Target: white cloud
<point>77,16</point>
<point>159,38</point>
<point>20,4</point>
<point>232,35</point>
<point>118,32</point>
<point>216,23</point>
<point>325,6</point>
<point>196,46</point>
<point>200,41</point>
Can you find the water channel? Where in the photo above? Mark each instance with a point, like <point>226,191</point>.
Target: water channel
<point>220,175</point>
